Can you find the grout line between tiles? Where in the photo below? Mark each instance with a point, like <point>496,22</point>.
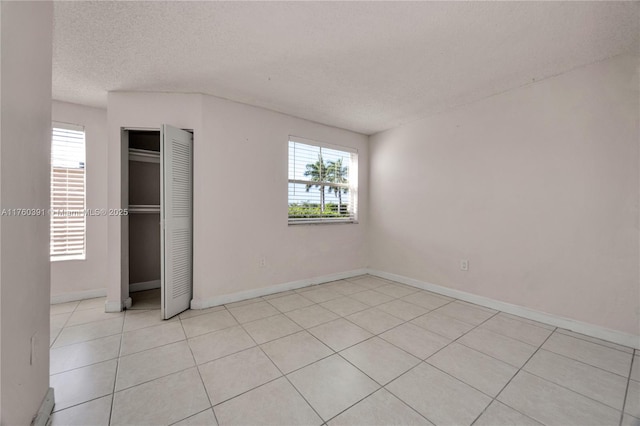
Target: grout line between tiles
<point>495,398</point>
<point>195,363</point>
<point>626,391</point>
<point>282,374</point>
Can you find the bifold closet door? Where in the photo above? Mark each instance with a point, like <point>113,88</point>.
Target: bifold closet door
<point>177,213</point>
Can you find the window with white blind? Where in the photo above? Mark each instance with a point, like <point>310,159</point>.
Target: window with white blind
<point>323,182</point>
<point>68,226</point>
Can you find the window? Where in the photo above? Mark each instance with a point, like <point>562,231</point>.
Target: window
<point>68,225</point>
<point>323,182</point>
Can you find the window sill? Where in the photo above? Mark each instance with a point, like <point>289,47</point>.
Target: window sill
<point>324,222</point>
<point>64,258</point>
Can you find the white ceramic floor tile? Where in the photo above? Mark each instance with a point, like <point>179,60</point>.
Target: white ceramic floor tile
<point>499,414</point>
<point>91,315</point>
<point>97,302</point>
<point>92,413</point>
<point>320,294</point>
<point>204,418</point>
<point>253,312</point>
<point>210,346</point>
<point>271,328</point>
<point>442,325</point>
<point>595,340</point>
<point>518,330</point>
<point>466,312</point>
<point>346,288</point>
<point>368,281</point>
<point>374,320</point>
<point>190,313</point>
<point>528,321</point>
<point>395,290</point>
<point>59,320</point>
<point>476,369</point>
<point>371,297</point>
<point>379,409</point>
<point>83,384</point>
<point>339,334</point>
<point>90,331</point>
<point>403,310</point>
<point>207,323</point>
<point>144,319</point>
<point>312,316</point>
<point>551,404</point>
<point>160,402</point>
<point>232,375</point>
<point>344,306</point>
<point>151,337</point>
<point>498,346</point>
<point>415,340</point>
<point>332,385</point>
<point>244,302</point>
<point>632,405</point>
<point>290,302</point>
<point>628,420</point>
<point>594,354</point>
<point>295,351</point>
<point>151,364</point>
<point>439,397</point>
<point>82,354</point>
<point>427,300</point>
<point>61,308</point>
<point>379,359</point>
<point>601,385</point>
<point>635,369</point>
<point>275,403</point>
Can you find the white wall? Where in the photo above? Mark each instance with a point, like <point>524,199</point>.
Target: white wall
<point>25,140</point>
<point>240,204</point>
<point>73,279</point>
<point>537,187</point>
<point>240,194</point>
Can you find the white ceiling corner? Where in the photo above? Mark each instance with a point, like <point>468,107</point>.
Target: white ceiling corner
<point>363,66</point>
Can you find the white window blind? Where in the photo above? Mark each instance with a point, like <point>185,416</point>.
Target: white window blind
<point>68,225</point>
<point>323,185</point>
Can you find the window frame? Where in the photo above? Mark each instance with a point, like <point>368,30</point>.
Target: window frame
<point>352,185</point>
<point>53,257</point>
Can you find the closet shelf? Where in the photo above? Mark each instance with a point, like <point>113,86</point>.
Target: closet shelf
<point>144,155</point>
<point>144,208</point>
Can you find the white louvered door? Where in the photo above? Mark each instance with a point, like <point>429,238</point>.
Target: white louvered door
<point>177,213</point>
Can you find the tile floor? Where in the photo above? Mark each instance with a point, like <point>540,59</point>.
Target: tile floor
<point>358,351</point>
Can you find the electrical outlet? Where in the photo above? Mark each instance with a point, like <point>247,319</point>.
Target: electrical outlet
<point>464,265</point>
<point>263,262</point>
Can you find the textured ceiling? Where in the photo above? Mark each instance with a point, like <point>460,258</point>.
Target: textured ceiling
<point>364,66</point>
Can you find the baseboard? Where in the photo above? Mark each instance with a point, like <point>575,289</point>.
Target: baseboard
<point>146,285</point>
<point>116,305</point>
<point>78,295</point>
<point>44,412</point>
<point>592,330</point>
<point>265,291</point>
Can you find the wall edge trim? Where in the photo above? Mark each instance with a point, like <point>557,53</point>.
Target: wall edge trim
<point>265,291</point>
<point>591,330</point>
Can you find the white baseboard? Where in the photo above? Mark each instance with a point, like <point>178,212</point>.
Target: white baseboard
<point>146,285</point>
<point>592,330</point>
<point>44,412</point>
<point>265,291</point>
<point>78,295</point>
